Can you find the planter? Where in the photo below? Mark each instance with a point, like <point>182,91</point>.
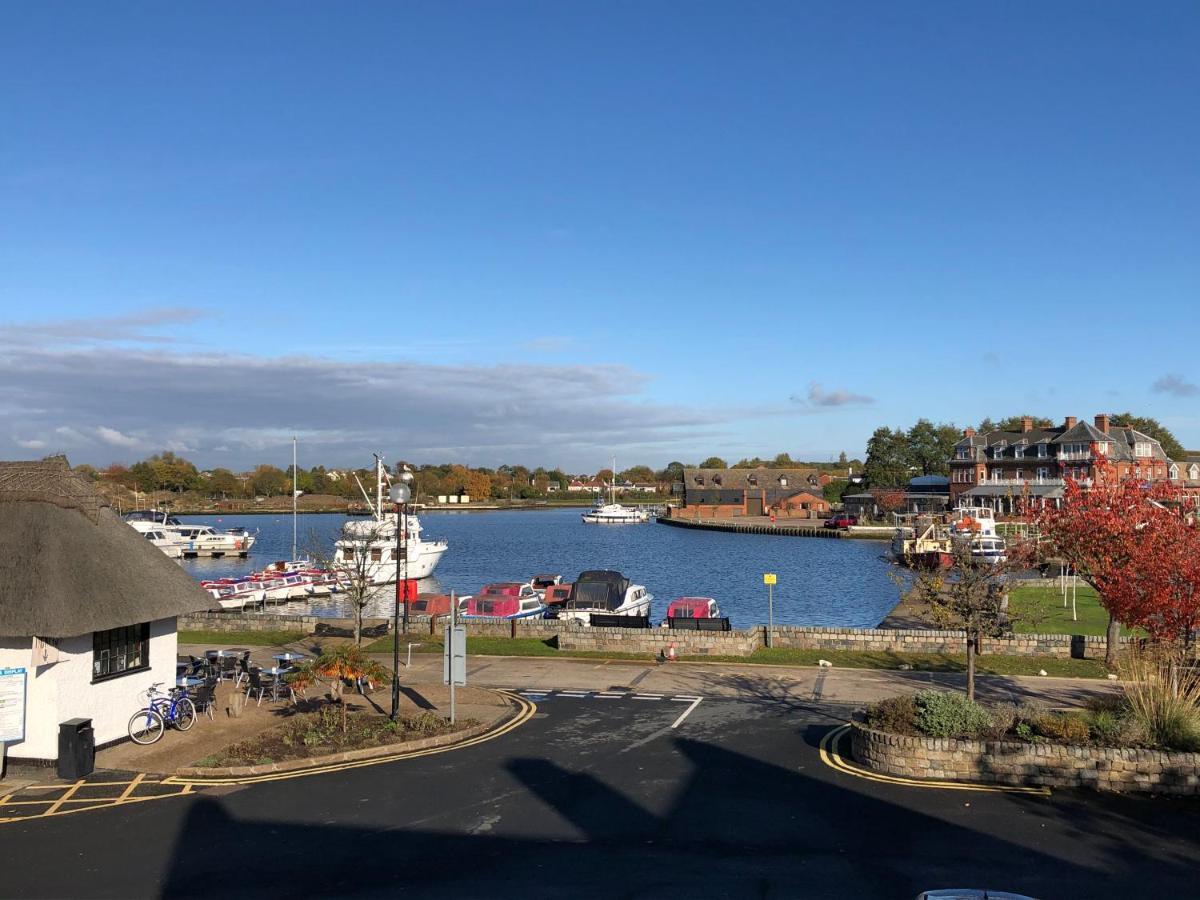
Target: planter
<point>1032,765</point>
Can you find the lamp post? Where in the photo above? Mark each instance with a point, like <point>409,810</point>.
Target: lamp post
<point>400,494</point>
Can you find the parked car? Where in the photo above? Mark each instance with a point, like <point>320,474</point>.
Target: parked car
<point>841,520</point>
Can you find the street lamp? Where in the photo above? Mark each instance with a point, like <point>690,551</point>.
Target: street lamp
<point>400,495</point>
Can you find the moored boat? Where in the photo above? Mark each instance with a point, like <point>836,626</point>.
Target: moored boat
<point>605,592</point>
<point>505,600</point>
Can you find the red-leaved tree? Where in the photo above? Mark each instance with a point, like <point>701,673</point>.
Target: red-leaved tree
<point>1138,547</point>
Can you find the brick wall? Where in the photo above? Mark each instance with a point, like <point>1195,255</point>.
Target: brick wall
<point>1048,765</point>
<point>903,640</point>
<point>656,640</point>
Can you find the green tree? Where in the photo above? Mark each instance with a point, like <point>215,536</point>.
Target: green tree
<point>224,483</point>
<point>887,458</point>
<point>782,461</point>
<point>638,474</point>
<point>270,481</point>
<point>842,458</point>
<point>714,462</point>
<point>1154,429</point>
<point>672,473</point>
<point>836,489</point>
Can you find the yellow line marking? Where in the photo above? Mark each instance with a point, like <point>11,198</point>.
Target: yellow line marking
<point>834,760</point>
<point>64,798</point>
<point>526,713</point>
<point>131,787</point>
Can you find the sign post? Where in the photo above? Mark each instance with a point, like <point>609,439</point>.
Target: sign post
<point>12,708</point>
<point>769,580</point>
<point>454,654</point>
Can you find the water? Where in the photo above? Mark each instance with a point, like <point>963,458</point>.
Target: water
<point>821,582</point>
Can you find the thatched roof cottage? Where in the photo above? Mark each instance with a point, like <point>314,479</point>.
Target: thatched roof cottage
<point>87,610</point>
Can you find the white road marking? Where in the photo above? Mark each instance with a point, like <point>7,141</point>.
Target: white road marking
<point>571,694</point>
<point>644,697</point>
<point>687,712</point>
<point>609,696</point>
<point>686,699</point>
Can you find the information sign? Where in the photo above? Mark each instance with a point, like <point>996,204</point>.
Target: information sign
<point>769,578</point>
<point>12,704</point>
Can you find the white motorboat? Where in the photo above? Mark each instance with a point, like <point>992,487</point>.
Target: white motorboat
<point>165,541</point>
<point>505,600</point>
<point>607,593</point>
<point>612,512</point>
<point>367,548</point>
<point>236,594</point>
<point>197,540</point>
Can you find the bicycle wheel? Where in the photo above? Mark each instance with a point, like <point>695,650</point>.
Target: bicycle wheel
<point>185,714</point>
<point>146,726</point>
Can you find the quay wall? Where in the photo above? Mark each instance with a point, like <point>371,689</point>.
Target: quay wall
<point>571,636</point>
<point>1018,763</point>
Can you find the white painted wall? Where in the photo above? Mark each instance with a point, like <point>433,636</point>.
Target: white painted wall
<point>65,690</point>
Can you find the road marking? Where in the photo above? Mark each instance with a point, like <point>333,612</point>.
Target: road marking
<point>834,760</point>
<point>645,697</point>
<point>687,712</point>
<point>609,696</point>
<point>64,798</point>
<point>685,699</point>
<point>132,787</point>
<point>527,712</point>
<point>571,694</point>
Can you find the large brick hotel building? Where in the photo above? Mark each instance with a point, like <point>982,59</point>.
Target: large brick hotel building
<point>999,468</point>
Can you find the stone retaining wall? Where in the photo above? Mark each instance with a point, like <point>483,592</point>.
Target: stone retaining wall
<point>697,643</point>
<point>1017,763</point>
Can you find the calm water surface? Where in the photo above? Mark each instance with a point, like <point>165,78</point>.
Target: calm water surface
<point>821,582</point>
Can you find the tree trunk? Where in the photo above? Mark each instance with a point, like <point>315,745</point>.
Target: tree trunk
<point>358,617</point>
<point>972,643</point>
<point>1112,640</point>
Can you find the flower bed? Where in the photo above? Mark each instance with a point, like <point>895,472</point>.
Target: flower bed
<point>1111,745</point>
<point>313,734</point>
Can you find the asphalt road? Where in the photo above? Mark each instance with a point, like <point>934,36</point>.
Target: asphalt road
<point>602,797</point>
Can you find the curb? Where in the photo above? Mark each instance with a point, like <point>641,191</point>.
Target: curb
<point>199,774</point>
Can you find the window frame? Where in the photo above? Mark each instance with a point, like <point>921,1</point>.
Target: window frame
<point>135,636</point>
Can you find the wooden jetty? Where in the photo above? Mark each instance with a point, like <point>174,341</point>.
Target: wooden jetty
<point>817,531</point>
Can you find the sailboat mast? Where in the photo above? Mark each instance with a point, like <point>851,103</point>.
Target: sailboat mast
<point>612,483</point>
<point>295,484</point>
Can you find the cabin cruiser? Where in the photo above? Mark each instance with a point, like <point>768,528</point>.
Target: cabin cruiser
<point>505,600</point>
<point>922,543</point>
<point>615,514</point>
<point>165,541</point>
<point>236,593</point>
<point>612,512</point>
<point>978,520</point>
<point>605,592</point>
<point>367,548</point>
<point>196,540</point>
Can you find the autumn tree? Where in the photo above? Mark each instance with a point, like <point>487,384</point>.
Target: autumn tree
<point>888,500</point>
<point>1137,547</point>
<point>714,462</point>
<point>269,481</point>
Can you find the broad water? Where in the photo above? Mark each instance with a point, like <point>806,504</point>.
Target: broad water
<point>821,582</point>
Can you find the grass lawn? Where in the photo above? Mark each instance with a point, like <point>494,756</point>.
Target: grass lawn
<point>241,638</point>
<point>1046,614</point>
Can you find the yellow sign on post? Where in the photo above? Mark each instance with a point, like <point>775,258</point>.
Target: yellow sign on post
<point>770,582</point>
<point>769,578</point>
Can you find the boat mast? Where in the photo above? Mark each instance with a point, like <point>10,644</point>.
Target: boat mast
<point>294,485</point>
<point>612,484</point>
<point>378,487</point>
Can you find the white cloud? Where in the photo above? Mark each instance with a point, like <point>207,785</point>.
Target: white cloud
<point>30,443</point>
<point>114,438</point>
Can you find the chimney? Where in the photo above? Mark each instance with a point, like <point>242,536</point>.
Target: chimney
<point>1070,423</point>
<point>1102,422</point>
<point>1027,424</point>
<point>969,432</point>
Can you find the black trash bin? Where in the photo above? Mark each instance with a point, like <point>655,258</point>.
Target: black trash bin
<point>76,749</point>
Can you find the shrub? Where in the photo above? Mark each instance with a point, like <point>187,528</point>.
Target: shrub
<point>1107,727</point>
<point>946,715</point>
<point>1063,729</point>
<point>1003,720</point>
<point>895,715</point>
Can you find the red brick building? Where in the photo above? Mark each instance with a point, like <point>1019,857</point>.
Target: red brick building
<point>731,493</point>
<point>999,468</point>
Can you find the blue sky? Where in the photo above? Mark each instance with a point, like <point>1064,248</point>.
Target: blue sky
<point>548,232</point>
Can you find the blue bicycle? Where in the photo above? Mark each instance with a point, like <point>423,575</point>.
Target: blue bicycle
<point>175,708</point>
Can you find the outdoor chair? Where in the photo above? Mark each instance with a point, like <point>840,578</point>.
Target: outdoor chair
<point>205,697</point>
<point>228,668</point>
<point>255,683</point>
<point>243,669</point>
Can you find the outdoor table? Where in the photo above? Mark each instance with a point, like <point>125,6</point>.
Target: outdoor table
<point>188,681</point>
<point>276,671</point>
<point>288,657</point>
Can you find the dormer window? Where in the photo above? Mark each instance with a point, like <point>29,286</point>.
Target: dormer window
<point>716,479</point>
<point>1194,472</point>
<point>1142,448</point>
<point>1042,450</point>
<point>1174,472</point>
<point>783,481</point>
<point>699,479</point>
<point>752,480</point>
<point>963,453</point>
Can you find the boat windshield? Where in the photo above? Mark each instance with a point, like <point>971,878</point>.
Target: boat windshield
<point>598,590</point>
<point>493,606</point>
<point>502,589</point>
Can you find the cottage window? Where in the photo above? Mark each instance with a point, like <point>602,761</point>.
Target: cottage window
<point>783,481</point>
<point>120,650</point>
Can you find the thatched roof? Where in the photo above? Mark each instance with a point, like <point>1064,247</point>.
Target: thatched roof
<point>69,565</point>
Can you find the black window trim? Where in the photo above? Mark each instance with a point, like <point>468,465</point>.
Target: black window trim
<point>145,666</point>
